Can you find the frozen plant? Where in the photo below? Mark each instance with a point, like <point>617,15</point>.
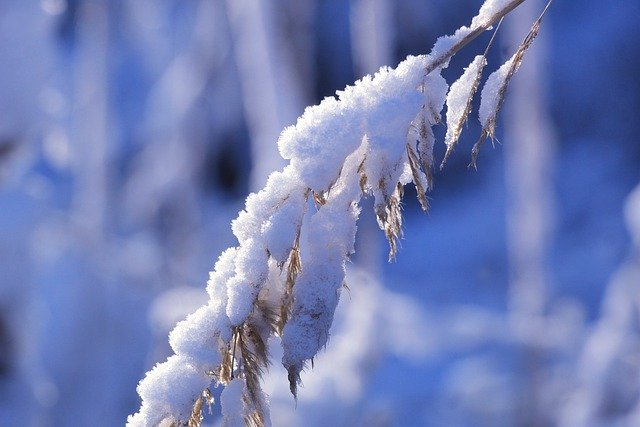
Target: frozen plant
<point>285,276</point>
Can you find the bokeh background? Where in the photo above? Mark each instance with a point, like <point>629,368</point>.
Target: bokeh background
<point>132,130</point>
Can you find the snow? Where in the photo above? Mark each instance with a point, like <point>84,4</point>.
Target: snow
<point>233,411</point>
<point>458,98</point>
<point>325,134</point>
<point>241,295</point>
<point>251,260</point>
<point>327,239</point>
<point>198,337</point>
<point>488,9</point>
<point>436,87</point>
<point>267,227</point>
<point>445,43</point>
<point>351,144</point>
<point>178,75</point>
<point>260,206</point>
<point>363,129</point>
<point>223,270</point>
<point>252,269</point>
<point>319,141</point>
<point>490,96</point>
<point>280,229</point>
<point>168,391</point>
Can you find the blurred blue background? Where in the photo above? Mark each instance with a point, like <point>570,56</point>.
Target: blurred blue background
<point>132,130</point>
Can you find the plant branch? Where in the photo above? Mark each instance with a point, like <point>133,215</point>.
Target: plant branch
<point>444,57</point>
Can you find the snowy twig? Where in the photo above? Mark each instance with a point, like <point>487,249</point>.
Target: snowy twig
<point>494,12</point>
<point>286,274</point>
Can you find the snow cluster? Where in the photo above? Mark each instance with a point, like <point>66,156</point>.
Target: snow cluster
<point>444,43</point>
<point>169,391</point>
<point>380,106</point>
<point>459,96</point>
<point>490,96</point>
<point>353,144</point>
<point>327,149</point>
<point>328,239</point>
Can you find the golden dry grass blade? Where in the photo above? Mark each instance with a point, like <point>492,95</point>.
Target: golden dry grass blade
<point>418,176</point>
<point>293,269</point>
<point>196,414</point>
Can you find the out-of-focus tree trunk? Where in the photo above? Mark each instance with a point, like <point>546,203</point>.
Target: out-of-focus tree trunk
<point>80,281</point>
<point>529,149</point>
<point>372,35</point>
<point>89,121</point>
<point>271,93</point>
<point>608,369</point>
<point>162,192</point>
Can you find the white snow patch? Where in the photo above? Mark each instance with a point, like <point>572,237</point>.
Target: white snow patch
<point>459,95</point>
<point>490,93</point>
<point>169,391</point>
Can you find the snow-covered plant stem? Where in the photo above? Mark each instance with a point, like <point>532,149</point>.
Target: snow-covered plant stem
<point>285,276</point>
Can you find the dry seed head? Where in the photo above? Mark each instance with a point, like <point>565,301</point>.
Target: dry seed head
<point>419,179</point>
<point>488,130</point>
<point>293,269</point>
<point>196,414</point>
<point>390,218</point>
<point>454,130</point>
<point>255,360</point>
<point>425,150</point>
<point>246,355</point>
